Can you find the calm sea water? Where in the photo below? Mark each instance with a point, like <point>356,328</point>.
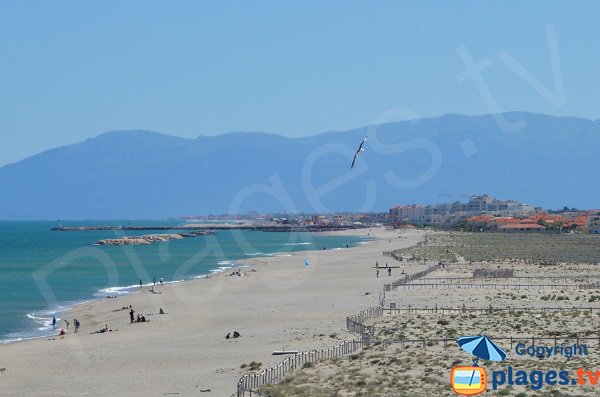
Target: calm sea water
<point>44,272</point>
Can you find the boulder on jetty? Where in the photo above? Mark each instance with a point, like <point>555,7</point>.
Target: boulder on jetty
<point>140,240</point>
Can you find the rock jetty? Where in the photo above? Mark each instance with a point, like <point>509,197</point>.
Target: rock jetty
<point>149,238</point>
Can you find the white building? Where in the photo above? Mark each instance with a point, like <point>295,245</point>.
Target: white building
<point>446,214</point>
<point>593,222</point>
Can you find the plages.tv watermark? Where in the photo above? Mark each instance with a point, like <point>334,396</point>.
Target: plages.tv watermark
<point>473,379</point>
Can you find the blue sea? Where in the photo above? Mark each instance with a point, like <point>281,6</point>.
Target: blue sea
<point>44,272</point>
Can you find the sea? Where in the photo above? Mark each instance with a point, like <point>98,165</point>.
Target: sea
<point>44,273</point>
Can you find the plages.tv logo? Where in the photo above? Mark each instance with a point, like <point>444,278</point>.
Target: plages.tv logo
<point>471,380</point>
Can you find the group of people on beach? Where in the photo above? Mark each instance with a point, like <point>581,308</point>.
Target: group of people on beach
<point>153,281</point>
<point>389,269</point>
<point>66,323</point>
<point>133,319</point>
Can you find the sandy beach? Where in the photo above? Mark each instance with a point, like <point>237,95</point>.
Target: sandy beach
<point>282,304</point>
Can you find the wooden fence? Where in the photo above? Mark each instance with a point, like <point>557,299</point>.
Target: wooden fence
<point>394,309</point>
<point>424,285</point>
<point>248,383</point>
<point>409,278</point>
<point>276,373</point>
<point>490,280</point>
<point>356,323</point>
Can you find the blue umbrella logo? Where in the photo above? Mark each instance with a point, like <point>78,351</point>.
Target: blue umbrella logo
<point>482,348</point>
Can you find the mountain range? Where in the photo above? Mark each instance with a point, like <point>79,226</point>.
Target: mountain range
<point>548,161</point>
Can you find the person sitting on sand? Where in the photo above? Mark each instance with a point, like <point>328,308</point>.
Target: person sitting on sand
<point>161,311</point>
<point>138,319</point>
<point>143,319</point>
<point>227,336</point>
<point>236,334</point>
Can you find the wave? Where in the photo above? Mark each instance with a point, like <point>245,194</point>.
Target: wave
<point>42,322</point>
<point>305,243</point>
<point>258,254</point>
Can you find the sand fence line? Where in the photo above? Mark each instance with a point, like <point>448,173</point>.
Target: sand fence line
<point>494,284</point>
<point>276,373</point>
<point>394,309</point>
<point>409,278</point>
<point>355,324</point>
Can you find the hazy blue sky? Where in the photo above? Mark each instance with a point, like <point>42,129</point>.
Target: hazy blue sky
<point>70,70</point>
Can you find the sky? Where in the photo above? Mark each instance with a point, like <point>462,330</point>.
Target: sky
<point>72,70</point>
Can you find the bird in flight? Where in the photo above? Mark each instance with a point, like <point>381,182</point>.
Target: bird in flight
<point>360,149</point>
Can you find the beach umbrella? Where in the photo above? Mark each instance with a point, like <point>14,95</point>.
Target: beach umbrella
<point>306,262</point>
<point>481,347</point>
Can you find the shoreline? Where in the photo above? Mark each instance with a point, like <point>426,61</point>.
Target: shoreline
<point>285,306</point>
<point>43,317</point>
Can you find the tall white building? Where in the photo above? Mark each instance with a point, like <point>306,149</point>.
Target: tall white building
<point>593,222</point>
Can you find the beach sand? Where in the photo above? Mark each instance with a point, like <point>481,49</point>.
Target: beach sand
<point>282,305</point>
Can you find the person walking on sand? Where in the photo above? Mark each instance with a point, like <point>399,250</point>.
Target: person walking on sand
<point>377,273</point>
<point>389,271</point>
<point>76,325</point>
<point>131,312</point>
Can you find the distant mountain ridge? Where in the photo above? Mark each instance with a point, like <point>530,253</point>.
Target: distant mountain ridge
<point>551,162</point>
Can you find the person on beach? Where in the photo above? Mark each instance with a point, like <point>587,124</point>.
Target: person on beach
<point>131,312</point>
<point>161,281</point>
<point>377,273</point>
<point>54,323</point>
<point>67,323</point>
<point>376,264</point>
<point>77,324</point>
<point>154,280</point>
<point>140,283</point>
<point>389,271</point>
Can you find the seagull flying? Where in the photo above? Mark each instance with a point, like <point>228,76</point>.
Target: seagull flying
<point>360,149</point>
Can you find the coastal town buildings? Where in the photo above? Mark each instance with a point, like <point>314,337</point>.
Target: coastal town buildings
<point>450,213</point>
